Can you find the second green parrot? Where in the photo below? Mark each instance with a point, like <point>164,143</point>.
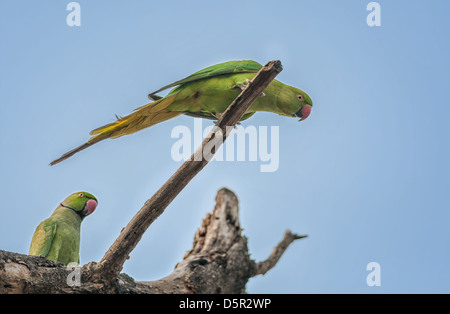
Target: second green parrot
<point>206,94</point>
<point>58,237</point>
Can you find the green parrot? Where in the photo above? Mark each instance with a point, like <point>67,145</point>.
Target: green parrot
<point>206,94</point>
<point>58,237</point>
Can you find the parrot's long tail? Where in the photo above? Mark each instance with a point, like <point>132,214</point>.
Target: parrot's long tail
<point>143,117</point>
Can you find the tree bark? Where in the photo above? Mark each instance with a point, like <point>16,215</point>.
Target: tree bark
<point>219,262</point>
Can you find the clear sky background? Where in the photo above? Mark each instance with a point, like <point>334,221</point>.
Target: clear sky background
<point>365,176</point>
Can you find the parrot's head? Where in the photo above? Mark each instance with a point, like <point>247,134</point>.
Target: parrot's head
<point>294,102</point>
<point>82,203</point>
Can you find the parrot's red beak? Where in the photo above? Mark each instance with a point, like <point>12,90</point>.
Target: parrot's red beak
<point>304,112</point>
<point>89,208</point>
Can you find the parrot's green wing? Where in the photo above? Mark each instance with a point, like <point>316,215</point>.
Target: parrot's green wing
<point>43,238</point>
<point>215,70</point>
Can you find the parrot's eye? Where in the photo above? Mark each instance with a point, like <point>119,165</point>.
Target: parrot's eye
<point>300,97</point>
<point>81,195</point>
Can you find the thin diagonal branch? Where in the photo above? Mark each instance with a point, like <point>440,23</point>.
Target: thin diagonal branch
<point>112,262</point>
<point>264,266</point>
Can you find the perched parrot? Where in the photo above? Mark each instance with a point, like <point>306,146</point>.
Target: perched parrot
<point>58,237</point>
<point>206,94</point>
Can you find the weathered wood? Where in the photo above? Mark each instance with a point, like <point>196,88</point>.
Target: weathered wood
<point>219,262</point>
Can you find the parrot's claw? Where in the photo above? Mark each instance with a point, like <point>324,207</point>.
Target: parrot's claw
<point>218,115</point>
<point>217,124</point>
<point>243,86</point>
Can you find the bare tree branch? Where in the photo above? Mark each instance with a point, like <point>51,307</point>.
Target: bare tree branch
<point>264,266</point>
<point>112,262</point>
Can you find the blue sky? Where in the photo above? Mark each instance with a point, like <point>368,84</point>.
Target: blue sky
<point>365,176</point>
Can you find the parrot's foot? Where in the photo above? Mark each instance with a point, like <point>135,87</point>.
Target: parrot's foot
<point>234,127</point>
<point>218,115</point>
<point>243,86</point>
